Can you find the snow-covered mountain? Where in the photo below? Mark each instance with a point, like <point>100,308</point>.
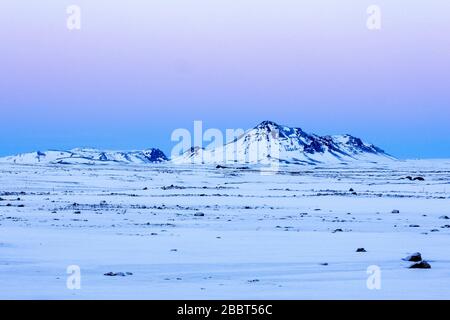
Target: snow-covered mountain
<point>266,143</point>
<point>269,142</point>
<point>88,156</point>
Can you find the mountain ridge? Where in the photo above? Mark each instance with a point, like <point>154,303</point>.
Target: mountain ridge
<point>270,142</point>
<point>88,156</point>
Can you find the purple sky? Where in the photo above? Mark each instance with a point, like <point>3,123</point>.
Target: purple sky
<point>138,70</point>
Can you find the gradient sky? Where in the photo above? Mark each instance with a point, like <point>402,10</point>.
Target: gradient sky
<point>137,70</point>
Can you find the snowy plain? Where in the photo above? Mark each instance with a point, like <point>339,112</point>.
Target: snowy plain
<point>201,232</point>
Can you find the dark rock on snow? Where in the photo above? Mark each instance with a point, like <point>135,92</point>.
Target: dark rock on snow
<point>415,257</point>
<point>421,265</point>
<point>118,274</point>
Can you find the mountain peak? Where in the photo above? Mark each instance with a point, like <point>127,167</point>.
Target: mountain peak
<point>267,123</point>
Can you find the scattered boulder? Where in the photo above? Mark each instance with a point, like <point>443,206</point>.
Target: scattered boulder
<point>414,226</point>
<point>351,190</point>
<point>444,217</point>
<point>395,211</point>
<point>118,274</point>
<point>415,178</point>
<point>199,214</point>
<point>253,281</point>
<point>303,214</point>
<point>338,230</point>
<point>361,250</point>
<point>415,257</point>
<point>172,187</point>
<point>421,265</point>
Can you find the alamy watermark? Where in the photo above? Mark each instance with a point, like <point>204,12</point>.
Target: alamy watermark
<point>74,277</point>
<point>374,19</point>
<point>374,280</point>
<point>73,21</point>
<point>235,146</point>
